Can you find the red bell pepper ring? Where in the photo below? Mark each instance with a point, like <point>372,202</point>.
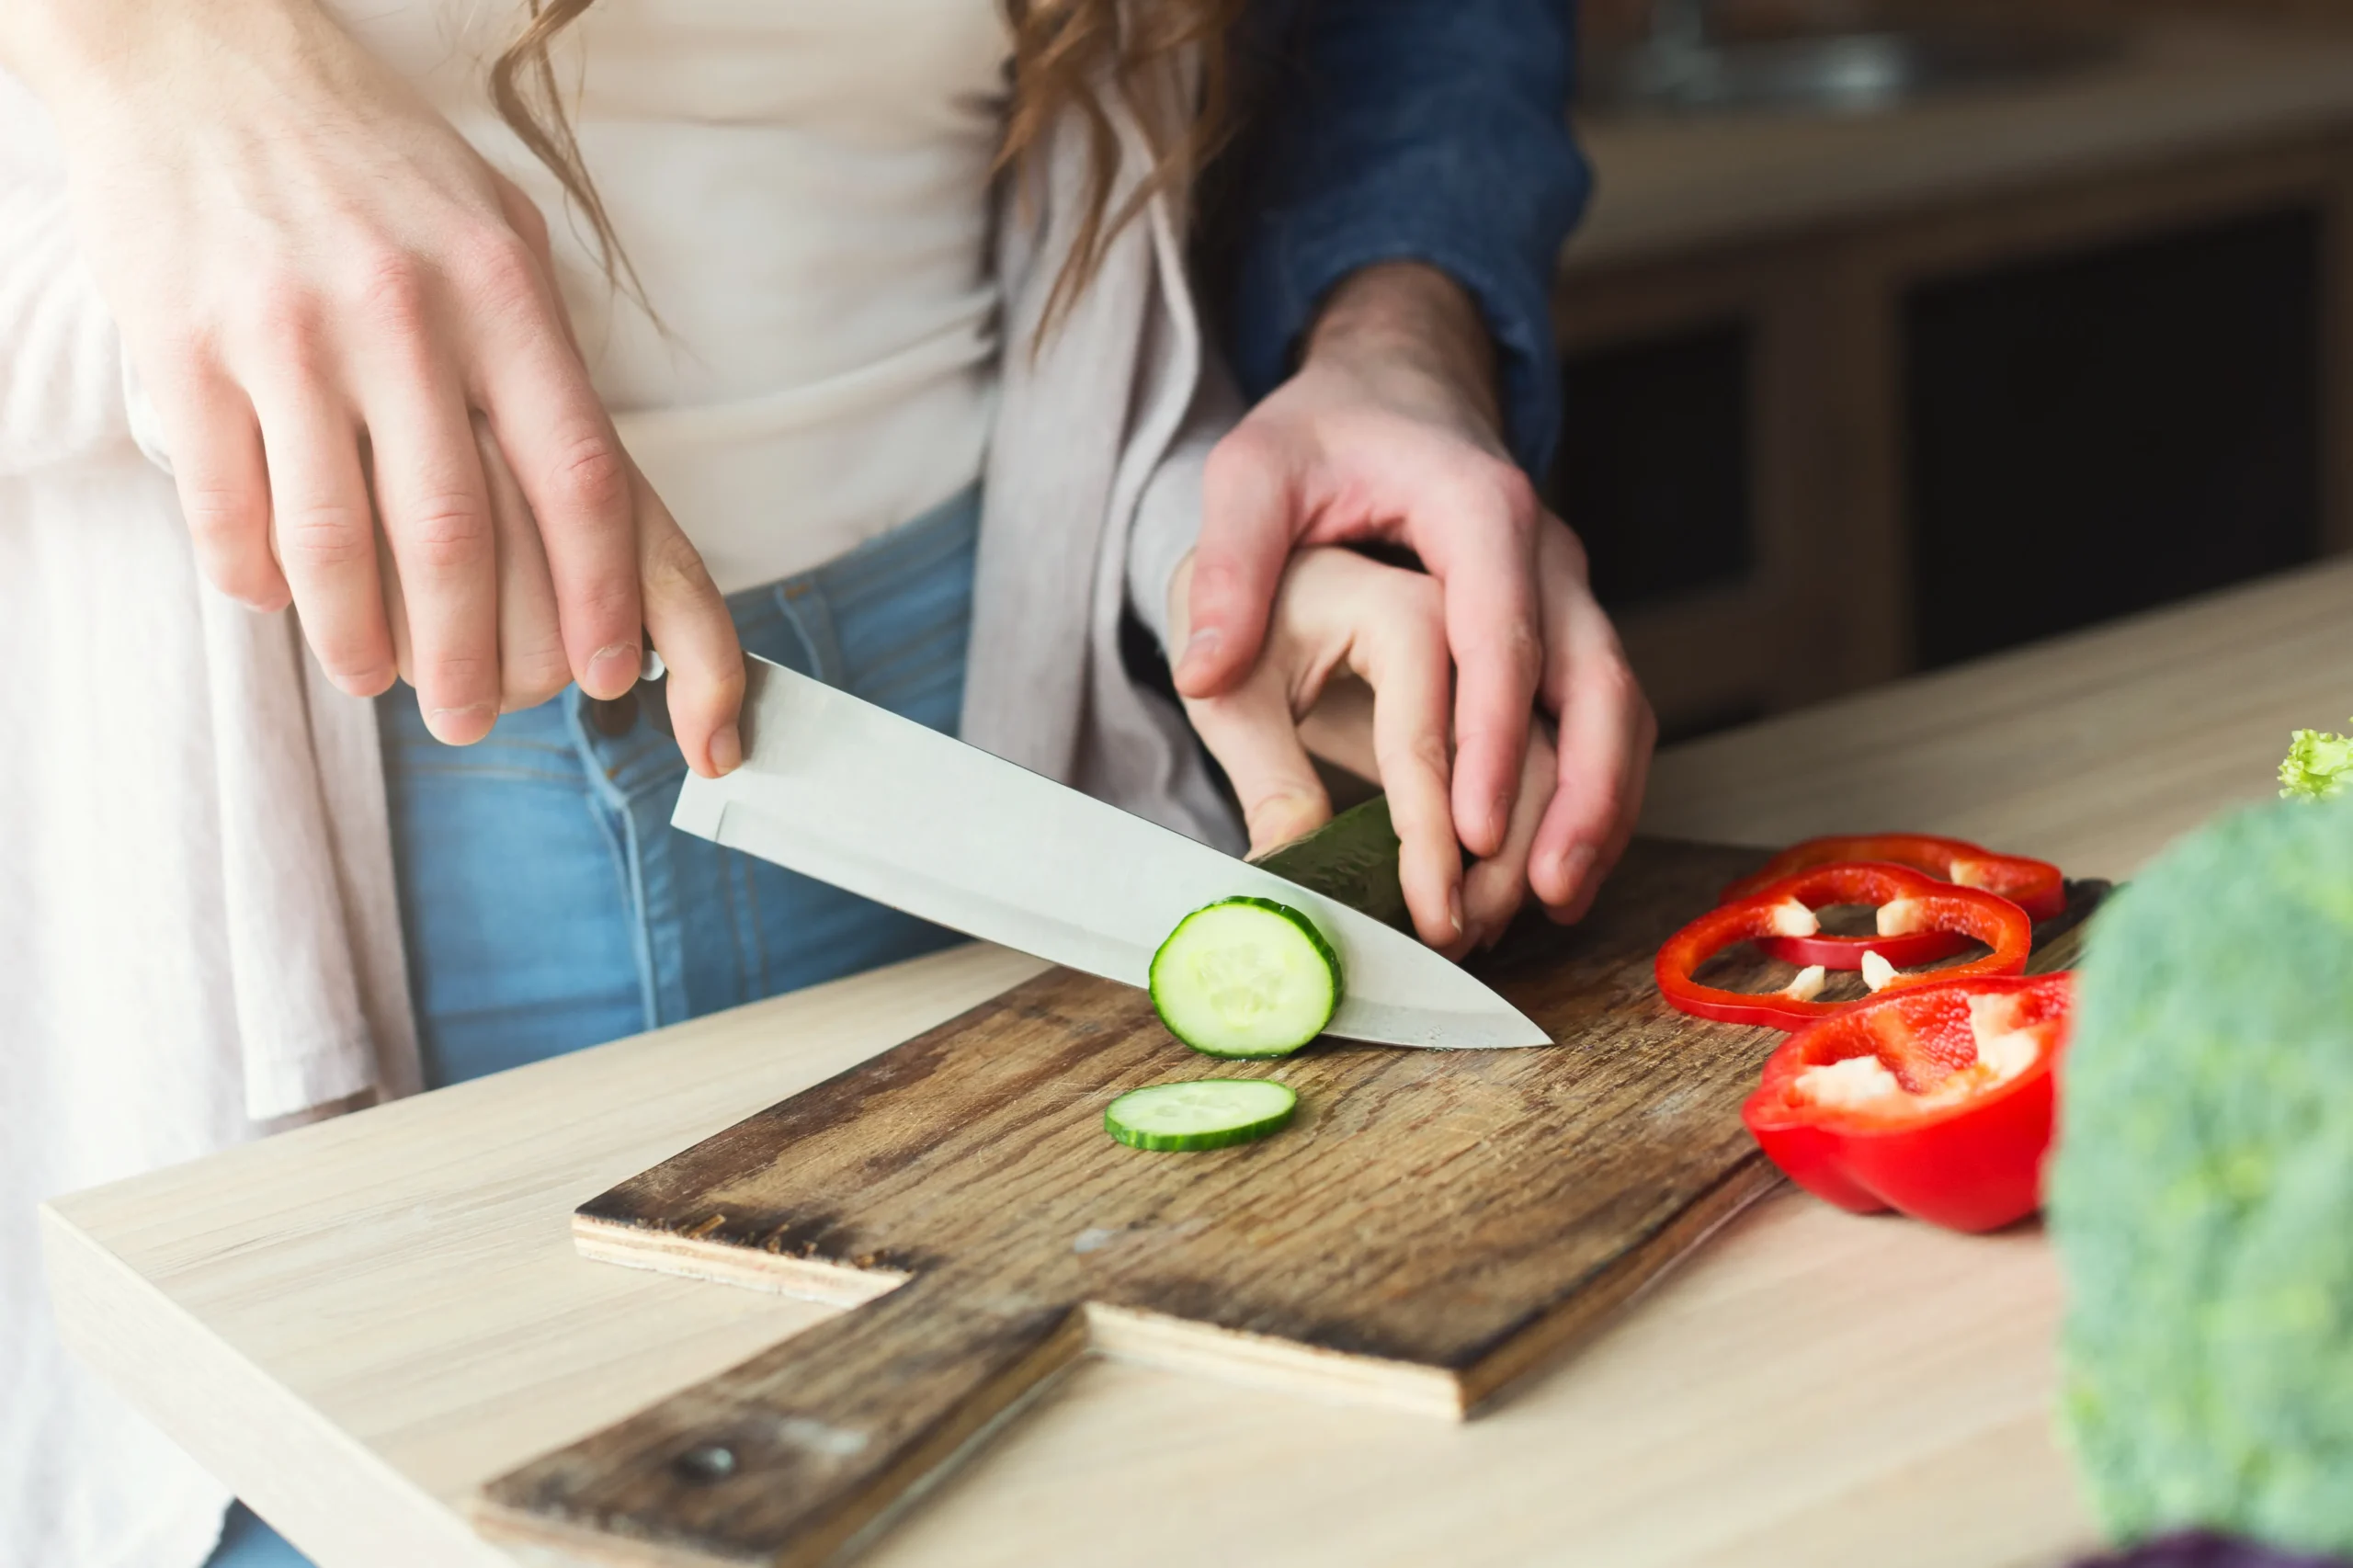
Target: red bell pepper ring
<point>2035,886</point>
<point>1909,900</point>
<point>1936,1102</point>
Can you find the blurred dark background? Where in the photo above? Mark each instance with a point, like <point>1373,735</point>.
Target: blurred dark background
<point>1900,333</point>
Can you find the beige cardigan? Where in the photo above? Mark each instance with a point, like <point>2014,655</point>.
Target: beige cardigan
<point>196,905</point>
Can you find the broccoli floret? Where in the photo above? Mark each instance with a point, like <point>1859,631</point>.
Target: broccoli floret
<point>2201,1199</point>
<point>2316,765</point>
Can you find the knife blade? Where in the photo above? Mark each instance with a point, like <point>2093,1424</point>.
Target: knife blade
<point>839,789</point>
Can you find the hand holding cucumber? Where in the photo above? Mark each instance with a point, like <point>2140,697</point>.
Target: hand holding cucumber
<point>1355,670</point>
<point>1390,430</point>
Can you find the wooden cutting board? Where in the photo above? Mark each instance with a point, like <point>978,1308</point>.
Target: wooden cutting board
<point>1433,1225</point>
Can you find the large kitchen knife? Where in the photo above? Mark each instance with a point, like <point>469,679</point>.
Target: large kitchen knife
<point>839,789</point>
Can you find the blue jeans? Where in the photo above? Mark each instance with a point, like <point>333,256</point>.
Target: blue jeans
<point>548,906</point>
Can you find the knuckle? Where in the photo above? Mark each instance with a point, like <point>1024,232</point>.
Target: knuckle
<point>1571,547</point>
<point>1521,647</point>
<point>281,313</point>
<point>183,360</point>
<point>1517,493</point>
<point>1498,489</point>
<point>1426,752</point>
<point>607,605</point>
<point>460,674</point>
<point>723,689</point>
<point>500,273</point>
<point>1613,682</point>
<point>445,532</point>
<point>1243,452</point>
<point>391,291</point>
<point>516,204</point>
<point>588,475</point>
<point>222,517</point>
<point>1641,732</point>
<point>674,568</point>
<point>325,536</point>
<point>531,223</point>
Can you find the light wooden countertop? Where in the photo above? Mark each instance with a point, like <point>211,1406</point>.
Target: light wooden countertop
<point>2182,88</point>
<point>357,1324</point>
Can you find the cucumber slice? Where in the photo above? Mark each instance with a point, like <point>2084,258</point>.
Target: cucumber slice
<point>1246,977</point>
<point>1208,1113</point>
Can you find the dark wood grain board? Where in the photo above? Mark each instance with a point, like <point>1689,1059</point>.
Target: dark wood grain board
<point>1433,1225</point>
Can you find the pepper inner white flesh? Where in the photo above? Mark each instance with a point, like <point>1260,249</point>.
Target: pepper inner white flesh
<point>1902,917</point>
<point>1807,984</point>
<point>1866,1083</point>
<point>1877,971</point>
<point>1969,873</point>
<point>1792,918</point>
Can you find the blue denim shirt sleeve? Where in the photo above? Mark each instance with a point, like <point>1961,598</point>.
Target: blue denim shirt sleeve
<point>1431,131</point>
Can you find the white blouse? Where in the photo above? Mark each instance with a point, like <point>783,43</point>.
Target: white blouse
<point>803,186</point>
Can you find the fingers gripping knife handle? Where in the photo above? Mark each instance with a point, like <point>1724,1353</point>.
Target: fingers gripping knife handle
<point>653,693</point>
<point>649,697</point>
<point>792,1456</point>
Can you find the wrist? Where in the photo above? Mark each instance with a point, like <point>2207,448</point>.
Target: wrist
<point>89,59</point>
<point>1409,312</point>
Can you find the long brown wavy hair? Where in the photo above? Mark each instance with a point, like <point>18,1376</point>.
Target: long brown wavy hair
<point>1065,54</point>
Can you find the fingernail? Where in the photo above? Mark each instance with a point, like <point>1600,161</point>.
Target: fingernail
<point>726,749</point>
<point>611,670</point>
<point>1202,643</point>
<point>1454,908</point>
<point>1576,863</point>
<point>461,726</point>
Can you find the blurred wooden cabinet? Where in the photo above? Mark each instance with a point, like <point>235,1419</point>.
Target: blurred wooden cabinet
<point>1816,458</point>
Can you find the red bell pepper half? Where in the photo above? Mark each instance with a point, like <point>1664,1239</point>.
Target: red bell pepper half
<point>2035,886</point>
<point>1936,1102</point>
<point>1909,900</point>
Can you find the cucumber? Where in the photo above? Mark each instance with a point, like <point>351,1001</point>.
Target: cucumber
<point>1351,859</point>
<point>1246,977</point>
<point>1208,1113</point>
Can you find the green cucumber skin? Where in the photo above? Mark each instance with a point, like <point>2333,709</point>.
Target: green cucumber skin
<point>1194,1143</point>
<point>1351,859</point>
<point>1315,938</point>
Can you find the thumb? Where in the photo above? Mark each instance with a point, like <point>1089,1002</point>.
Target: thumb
<point>1247,520</point>
<point>1251,734</point>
